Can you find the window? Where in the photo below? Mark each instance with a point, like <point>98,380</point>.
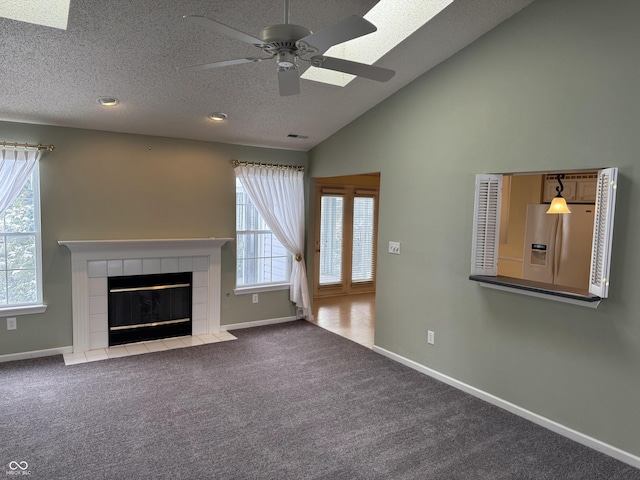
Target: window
<point>20,249</point>
<point>261,259</point>
<point>555,251</point>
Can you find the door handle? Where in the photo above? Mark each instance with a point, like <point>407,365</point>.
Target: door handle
<point>557,249</point>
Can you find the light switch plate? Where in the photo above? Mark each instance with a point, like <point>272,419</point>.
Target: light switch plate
<point>394,248</point>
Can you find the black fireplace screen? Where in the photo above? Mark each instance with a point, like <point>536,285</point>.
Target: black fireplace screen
<point>149,307</point>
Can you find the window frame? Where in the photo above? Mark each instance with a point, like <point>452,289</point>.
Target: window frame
<point>486,234</point>
<point>257,287</point>
<point>36,306</point>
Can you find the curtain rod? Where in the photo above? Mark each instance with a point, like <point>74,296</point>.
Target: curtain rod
<point>39,146</point>
<point>237,163</point>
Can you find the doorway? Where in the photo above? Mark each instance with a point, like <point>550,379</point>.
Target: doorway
<point>346,235</point>
<point>345,254</point>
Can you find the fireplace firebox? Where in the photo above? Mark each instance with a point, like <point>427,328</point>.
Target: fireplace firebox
<point>149,307</point>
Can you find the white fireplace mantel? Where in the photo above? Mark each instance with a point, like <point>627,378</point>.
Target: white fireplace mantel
<point>93,261</point>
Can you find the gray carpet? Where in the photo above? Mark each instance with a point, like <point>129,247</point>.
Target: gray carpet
<point>289,401</point>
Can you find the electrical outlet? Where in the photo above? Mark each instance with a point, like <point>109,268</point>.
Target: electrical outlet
<point>254,298</point>
<point>431,337</point>
<point>11,323</point>
<point>394,247</point>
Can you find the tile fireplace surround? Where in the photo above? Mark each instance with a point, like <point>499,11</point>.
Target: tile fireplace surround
<point>93,261</point>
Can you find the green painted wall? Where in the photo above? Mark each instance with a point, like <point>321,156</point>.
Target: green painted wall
<point>100,185</point>
<point>554,87</point>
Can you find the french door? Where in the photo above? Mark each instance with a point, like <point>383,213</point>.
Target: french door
<point>346,232</point>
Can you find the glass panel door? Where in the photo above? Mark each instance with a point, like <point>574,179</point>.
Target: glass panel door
<point>363,239</point>
<point>346,231</point>
<point>331,239</point>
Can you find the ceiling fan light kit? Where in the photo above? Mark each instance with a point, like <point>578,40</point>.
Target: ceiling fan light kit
<point>288,43</point>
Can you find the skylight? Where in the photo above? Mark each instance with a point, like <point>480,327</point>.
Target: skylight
<point>395,20</point>
<point>50,13</point>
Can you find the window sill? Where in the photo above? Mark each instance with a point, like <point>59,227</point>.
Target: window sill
<point>22,310</point>
<point>261,288</point>
<point>541,290</point>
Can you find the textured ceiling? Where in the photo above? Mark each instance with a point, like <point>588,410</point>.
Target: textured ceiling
<point>130,50</point>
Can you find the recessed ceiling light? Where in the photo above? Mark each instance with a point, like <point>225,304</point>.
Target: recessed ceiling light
<point>218,116</point>
<point>107,101</point>
<point>394,24</point>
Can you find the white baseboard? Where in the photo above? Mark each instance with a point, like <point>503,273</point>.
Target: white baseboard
<point>257,323</point>
<point>62,350</point>
<point>35,354</point>
<point>556,427</point>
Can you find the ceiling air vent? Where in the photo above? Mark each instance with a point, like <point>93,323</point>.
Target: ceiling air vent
<point>295,135</point>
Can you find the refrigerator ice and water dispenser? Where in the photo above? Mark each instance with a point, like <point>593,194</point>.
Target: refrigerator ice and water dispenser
<point>538,255</point>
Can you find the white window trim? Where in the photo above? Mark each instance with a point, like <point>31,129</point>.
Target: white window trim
<point>38,220</point>
<point>259,287</point>
<point>38,306</point>
<point>486,232</point>
<point>23,310</point>
<point>271,287</point>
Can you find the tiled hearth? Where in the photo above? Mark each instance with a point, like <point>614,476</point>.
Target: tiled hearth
<point>94,261</point>
<point>145,347</point>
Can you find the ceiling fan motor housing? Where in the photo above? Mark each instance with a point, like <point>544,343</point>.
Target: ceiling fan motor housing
<point>282,38</point>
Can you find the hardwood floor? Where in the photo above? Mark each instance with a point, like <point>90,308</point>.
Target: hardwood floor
<point>351,316</point>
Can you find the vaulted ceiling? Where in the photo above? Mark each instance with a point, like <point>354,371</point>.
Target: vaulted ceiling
<point>130,50</point>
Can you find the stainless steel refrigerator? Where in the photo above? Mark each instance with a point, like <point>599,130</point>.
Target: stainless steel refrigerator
<point>557,248</point>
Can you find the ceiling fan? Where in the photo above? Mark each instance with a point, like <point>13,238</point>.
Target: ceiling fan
<point>288,43</point>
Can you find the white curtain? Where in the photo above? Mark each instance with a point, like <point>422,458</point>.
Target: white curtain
<point>16,165</point>
<point>278,194</point>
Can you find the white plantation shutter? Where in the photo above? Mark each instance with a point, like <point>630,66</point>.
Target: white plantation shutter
<point>486,225</point>
<point>603,232</point>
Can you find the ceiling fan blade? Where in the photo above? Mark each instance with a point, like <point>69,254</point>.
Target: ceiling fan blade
<point>288,81</point>
<point>354,68</point>
<point>224,29</point>
<point>347,29</point>
<point>226,63</point>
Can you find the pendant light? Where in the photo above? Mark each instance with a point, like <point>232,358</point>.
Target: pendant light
<point>559,204</point>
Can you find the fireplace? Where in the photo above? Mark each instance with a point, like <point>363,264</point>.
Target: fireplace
<point>95,262</point>
<point>149,307</point>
